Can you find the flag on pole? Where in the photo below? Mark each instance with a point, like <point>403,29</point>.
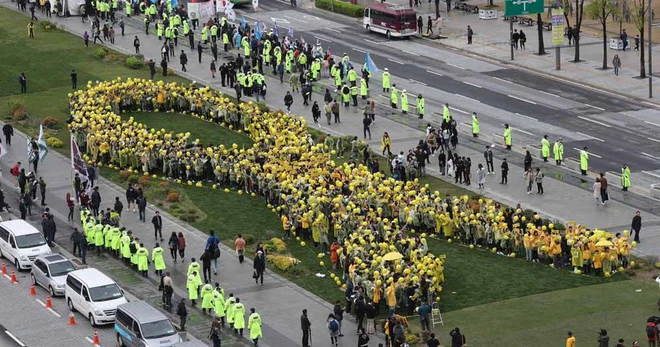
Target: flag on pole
<point>276,30</point>
<point>3,151</point>
<point>243,22</point>
<point>77,162</point>
<point>32,156</point>
<point>371,66</point>
<point>290,33</point>
<point>255,5</point>
<point>41,142</point>
<point>258,30</point>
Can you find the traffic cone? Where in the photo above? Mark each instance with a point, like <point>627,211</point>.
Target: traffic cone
<point>33,291</point>
<point>49,303</point>
<point>4,269</point>
<point>13,277</point>
<point>72,319</point>
<point>96,340</point>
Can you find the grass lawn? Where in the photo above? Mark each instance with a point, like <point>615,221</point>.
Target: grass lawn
<point>473,277</point>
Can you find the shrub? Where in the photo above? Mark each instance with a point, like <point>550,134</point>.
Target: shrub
<point>51,123</point>
<point>134,63</point>
<point>249,239</point>
<point>345,8</point>
<point>275,245</point>
<point>125,174</point>
<point>54,142</point>
<point>47,26</point>
<point>101,52</point>
<point>189,217</point>
<point>164,184</point>
<point>283,263</point>
<point>18,110</point>
<point>133,178</point>
<point>172,197</point>
<point>144,181</point>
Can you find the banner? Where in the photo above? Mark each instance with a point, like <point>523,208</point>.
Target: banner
<point>41,142</point>
<point>32,156</point>
<point>206,11</point>
<point>3,151</point>
<point>77,162</point>
<point>193,10</point>
<point>557,27</point>
<point>255,5</point>
<point>371,66</point>
<point>258,30</point>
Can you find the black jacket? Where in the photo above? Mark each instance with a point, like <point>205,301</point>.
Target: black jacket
<point>181,309</point>
<point>96,198</point>
<point>636,223</point>
<point>305,324</point>
<point>259,263</point>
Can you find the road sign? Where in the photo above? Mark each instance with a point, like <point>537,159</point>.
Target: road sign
<point>557,26</point>
<point>520,7</point>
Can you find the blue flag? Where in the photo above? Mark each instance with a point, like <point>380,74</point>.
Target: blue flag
<point>276,30</point>
<point>243,22</point>
<point>290,33</point>
<point>371,66</point>
<point>258,30</point>
<point>174,3</point>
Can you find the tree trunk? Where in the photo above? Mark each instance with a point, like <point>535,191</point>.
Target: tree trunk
<point>490,3</point>
<point>579,12</point>
<point>539,24</point>
<point>604,23</point>
<point>642,61</point>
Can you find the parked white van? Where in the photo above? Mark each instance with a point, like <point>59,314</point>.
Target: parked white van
<point>138,324</point>
<point>94,295</point>
<point>21,243</point>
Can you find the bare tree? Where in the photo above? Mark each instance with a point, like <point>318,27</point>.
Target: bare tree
<point>539,24</point>
<point>601,10</point>
<point>640,11</point>
<point>579,13</point>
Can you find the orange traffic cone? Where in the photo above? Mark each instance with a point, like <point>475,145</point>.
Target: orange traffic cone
<point>4,269</point>
<point>33,291</point>
<point>49,303</point>
<point>96,340</point>
<point>72,319</point>
<point>13,277</point>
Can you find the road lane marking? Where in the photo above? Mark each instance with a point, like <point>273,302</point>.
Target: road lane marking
<point>456,66</point>
<point>594,121</point>
<point>418,82</point>
<point>522,131</point>
<point>521,99</point>
<point>371,41</point>
<point>466,97</point>
<point>435,73</point>
<point>333,30</point>
<point>498,135</point>
<point>396,61</point>
<point>528,117</point>
<point>594,154</point>
<point>546,93</point>
<point>89,339</point>
<point>299,20</point>
<point>472,84</point>
<point>49,309</point>
<point>652,139</point>
<point>503,80</point>
<point>647,122</point>
<point>411,53</point>
<point>323,39</point>
<point>651,156</point>
<point>8,277</point>
<point>359,50</point>
<point>459,110</point>
<point>596,107</point>
<point>14,338</point>
<point>590,137</point>
<point>651,173</point>
<point>649,104</point>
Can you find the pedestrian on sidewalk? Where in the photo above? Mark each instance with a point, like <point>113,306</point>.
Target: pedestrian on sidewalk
<point>616,62</point>
<point>363,339</point>
<point>539,181</point>
<point>259,266</point>
<point>157,221</point>
<point>570,35</point>
<point>515,38</point>
<point>636,225</point>
<point>333,329</point>
<point>70,205</point>
<point>523,39</point>
<point>481,176</point>
<point>429,26</point>
<point>604,196</point>
<point>182,312</point>
<point>42,190</point>
<point>505,171</point>
<point>637,42</point>
<point>206,265</point>
<point>142,207</point>
<point>288,101</point>
<point>96,201</point>
<point>214,334</point>
<point>183,58</point>
<point>306,327</point>
<point>597,191</point>
<point>366,126</point>
<point>529,180</point>
<point>624,37</point>
<point>420,25</point>
<point>173,244</point>
<point>470,32</point>
<point>8,130</point>
<point>528,160</point>
<point>199,51</point>
<point>335,111</point>
<point>213,69</point>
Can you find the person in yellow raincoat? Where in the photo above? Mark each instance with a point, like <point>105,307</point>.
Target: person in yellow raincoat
<point>142,255</point>
<point>192,286</point>
<point>598,262</point>
<point>378,293</point>
<point>219,305</point>
<point>207,297</point>
<point>239,317</point>
<point>386,143</point>
<point>391,298</point>
<point>254,324</point>
<point>229,310</point>
<point>157,259</point>
<point>447,227</point>
<point>194,268</point>
<point>576,257</point>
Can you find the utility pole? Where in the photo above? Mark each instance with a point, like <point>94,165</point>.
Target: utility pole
<point>511,35</point>
<point>650,10</point>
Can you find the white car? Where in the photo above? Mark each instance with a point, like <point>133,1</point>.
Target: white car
<point>94,295</point>
<point>21,243</point>
<point>50,271</point>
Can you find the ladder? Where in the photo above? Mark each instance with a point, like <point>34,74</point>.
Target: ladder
<point>436,316</point>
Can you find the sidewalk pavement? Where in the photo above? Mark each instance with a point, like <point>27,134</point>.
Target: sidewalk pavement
<point>491,40</point>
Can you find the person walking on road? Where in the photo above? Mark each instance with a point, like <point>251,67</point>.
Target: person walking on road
<point>505,171</point>
<point>182,312</point>
<point>254,325</point>
<point>636,225</point>
<point>470,32</point>
<point>616,62</point>
<point>288,101</point>
<point>157,221</point>
<point>306,327</point>
<point>366,126</point>
<point>333,329</point>
<point>523,39</point>
<point>259,265</point>
<point>239,244</point>
<point>173,244</point>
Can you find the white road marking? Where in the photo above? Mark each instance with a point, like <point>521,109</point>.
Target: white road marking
<point>472,84</point>
<point>418,82</point>
<point>652,139</point>
<point>650,156</point>
<point>528,117</point>
<point>467,125</point>
<point>521,99</point>
<point>546,93</point>
<point>590,154</point>
<point>49,309</point>
<point>596,107</point>
<point>371,41</point>
<point>41,302</point>
<point>323,39</point>
<point>435,73</point>
<point>333,30</point>
<point>656,124</point>
<point>649,104</point>
<point>359,50</point>
<point>524,132</point>
<point>396,61</point>
<point>459,110</point>
<point>89,339</point>
<point>503,80</point>
<point>456,66</point>
<point>296,19</point>
<point>594,121</point>
<point>466,97</point>
<point>8,277</point>
<point>589,136</point>
<point>14,338</point>
<point>384,96</point>
<point>651,173</point>
<point>498,135</point>
<point>411,53</point>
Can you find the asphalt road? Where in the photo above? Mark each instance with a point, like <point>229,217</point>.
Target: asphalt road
<point>594,119</point>
<point>7,338</point>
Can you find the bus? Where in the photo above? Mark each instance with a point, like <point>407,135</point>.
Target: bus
<point>391,20</point>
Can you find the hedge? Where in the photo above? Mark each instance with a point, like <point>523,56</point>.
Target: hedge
<point>341,7</point>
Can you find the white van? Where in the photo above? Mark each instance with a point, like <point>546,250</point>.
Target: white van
<point>21,243</point>
<point>94,295</point>
<point>138,324</point>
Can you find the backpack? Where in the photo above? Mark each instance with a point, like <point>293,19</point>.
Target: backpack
<point>334,326</point>
<point>650,331</point>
